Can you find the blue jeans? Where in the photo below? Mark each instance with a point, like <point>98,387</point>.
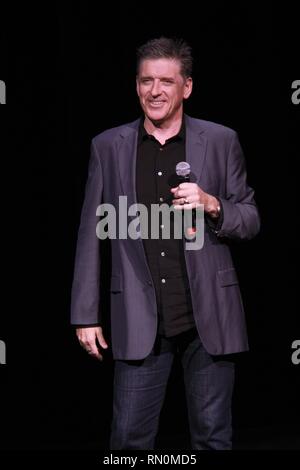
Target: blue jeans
<point>139,392</point>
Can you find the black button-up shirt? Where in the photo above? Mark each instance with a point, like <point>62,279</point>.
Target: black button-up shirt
<point>155,176</point>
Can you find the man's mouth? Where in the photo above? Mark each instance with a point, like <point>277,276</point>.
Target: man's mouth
<point>157,103</point>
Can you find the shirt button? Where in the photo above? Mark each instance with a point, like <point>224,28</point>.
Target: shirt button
<point>162,226</point>
<point>163,281</point>
<point>161,199</point>
<point>159,173</point>
<point>161,149</point>
<point>163,253</point>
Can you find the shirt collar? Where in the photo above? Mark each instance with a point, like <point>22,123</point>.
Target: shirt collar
<point>143,134</point>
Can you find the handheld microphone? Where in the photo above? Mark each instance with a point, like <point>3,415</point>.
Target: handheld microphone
<point>183,170</point>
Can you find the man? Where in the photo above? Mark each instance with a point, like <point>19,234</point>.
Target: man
<point>165,299</point>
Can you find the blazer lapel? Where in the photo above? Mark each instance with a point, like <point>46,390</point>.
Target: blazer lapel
<point>127,161</point>
<point>196,144</point>
<point>127,168</point>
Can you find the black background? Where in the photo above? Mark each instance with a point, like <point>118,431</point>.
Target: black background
<point>70,73</point>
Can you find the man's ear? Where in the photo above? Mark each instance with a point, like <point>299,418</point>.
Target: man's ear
<point>188,87</point>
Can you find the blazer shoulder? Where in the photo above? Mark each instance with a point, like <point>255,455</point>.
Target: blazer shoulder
<point>108,136</point>
<point>211,128</point>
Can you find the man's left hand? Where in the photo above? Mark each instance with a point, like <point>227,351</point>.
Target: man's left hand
<point>190,196</point>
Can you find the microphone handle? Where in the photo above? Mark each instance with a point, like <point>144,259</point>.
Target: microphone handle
<point>186,179</point>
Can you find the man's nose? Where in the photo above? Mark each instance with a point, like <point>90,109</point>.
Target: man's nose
<point>156,88</point>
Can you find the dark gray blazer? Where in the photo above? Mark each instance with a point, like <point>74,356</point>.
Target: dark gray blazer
<point>216,159</point>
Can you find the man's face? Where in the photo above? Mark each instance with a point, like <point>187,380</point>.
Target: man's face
<point>161,89</point>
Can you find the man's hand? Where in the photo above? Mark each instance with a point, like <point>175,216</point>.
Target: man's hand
<point>190,195</point>
<point>89,337</point>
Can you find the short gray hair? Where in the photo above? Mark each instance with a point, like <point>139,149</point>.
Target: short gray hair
<point>168,48</point>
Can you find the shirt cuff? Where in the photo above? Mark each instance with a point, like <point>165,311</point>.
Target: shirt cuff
<point>216,223</point>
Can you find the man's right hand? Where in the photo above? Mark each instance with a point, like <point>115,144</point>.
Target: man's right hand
<point>92,340</point>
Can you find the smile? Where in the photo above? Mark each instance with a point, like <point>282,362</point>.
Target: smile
<point>157,103</point>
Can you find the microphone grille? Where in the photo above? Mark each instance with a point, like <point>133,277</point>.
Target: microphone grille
<point>183,169</point>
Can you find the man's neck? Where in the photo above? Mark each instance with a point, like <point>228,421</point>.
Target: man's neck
<point>164,131</point>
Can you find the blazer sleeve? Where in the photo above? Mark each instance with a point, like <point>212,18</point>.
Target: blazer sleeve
<point>240,214</point>
<point>85,288</point>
